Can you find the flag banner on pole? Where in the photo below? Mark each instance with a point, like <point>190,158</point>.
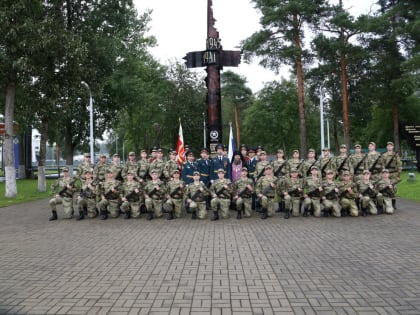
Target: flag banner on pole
<point>180,151</point>
<point>231,146</point>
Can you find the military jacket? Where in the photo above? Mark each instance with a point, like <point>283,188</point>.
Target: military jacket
<point>344,187</point>
<point>291,186</point>
<point>263,186</point>
<point>99,171</point>
<point>312,186</point>
<point>82,169</point>
<point>204,167</point>
<point>128,190</point>
<point>392,162</point>
<point>188,169</point>
<point>60,183</point>
<point>176,189</point>
<point>240,189</point>
<point>342,163</point>
<point>298,164</point>
<point>326,164</point>
<point>307,166</point>
<point>153,193</point>
<point>329,190</point>
<point>223,163</point>
<point>366,188</point>
<point>357,164</point>
<point>132,166</point>
<point>89,188</point>
<point>373,162</point>
<point>279,168</point>
<point>251,164</point>
<point>169,167</point>
<point>117,170</point>
<point>259,169</point>
<point>158,165</point>
<point>193,191</point>
<point>218,188</point>
<point>382,186</point>
<point>108,186</point>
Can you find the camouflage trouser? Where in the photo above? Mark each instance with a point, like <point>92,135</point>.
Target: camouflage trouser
<point>200,208</point>
<point>131,207</point>
<point>155,206</point>
<point>292,203</point>
<point>89,204</point>
<point>268,203</point>
<point>332,206</point>
<point>247,204</point>
<point>175,206</point>
<point>112,205</point>
<point>224,205</point>
<point>67,205</point>
<point>367,202</point>
<point>315,203</point>
<point>350,205</point>
<point>386,203</point>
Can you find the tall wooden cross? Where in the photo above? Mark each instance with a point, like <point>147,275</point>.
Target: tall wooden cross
<point>213,58</point>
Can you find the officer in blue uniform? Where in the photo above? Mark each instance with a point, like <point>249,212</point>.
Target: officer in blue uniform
<point>204,166</point>
<point>189,167</point>
<point>220,162</point>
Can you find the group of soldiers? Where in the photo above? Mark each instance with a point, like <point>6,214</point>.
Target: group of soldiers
<point>357,184</point>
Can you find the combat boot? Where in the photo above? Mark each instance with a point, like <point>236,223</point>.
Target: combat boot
<point>194,215</point>
<point>364,212</point>
<point>170,215</point>
<point>264,214</point>
<point>85,210</point>
<point>149,216</point>
<point>380,210</point>
<point>279,209</point>
<point>81,215</point>
<point>306,212</point>
<point>394,203</point>
<point>127,215</point>
<point>287,213</point>
<point>104,215</point>
<point>54,216</point>
<point>344,212</point>
<point>215,216</point>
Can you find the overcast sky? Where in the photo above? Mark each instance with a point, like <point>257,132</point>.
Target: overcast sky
<point>180,26</point>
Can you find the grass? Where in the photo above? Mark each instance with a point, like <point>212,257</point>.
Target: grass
<point>28,190</point>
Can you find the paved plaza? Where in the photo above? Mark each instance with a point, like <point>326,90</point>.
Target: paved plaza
<point>251,266</point>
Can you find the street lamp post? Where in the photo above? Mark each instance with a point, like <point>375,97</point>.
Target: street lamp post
<point>91,138</point>
<point>321,110</point>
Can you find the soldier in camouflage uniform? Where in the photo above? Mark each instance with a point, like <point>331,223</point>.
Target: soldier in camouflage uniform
<point>175,195</point>
<point>131,165</point>
<point>131,196</point>
<point>63,190</point>
<point>309,162</point>
<point>297,163</point>
<point>325,163</point>
<point>116,167</point>
<point>158,163</point>
<point>110,196</point>
<point>243,189</point>
<point>330,195</point>
<point>373,162</point>
<point>155,191</point>
<point>261,164</point>
<point>196,195</point>
<point>280,165</point>
<point>170,165</point>
<point>84,167</point>
<point>292,191</point>
<point>367,194</point>
<point>99,171</point>
<point>221,191</point>
<point>312,195</point>
<point>143,167</point>
<point>392,162</point>
<point>265,189</point>
<point>357,162</point>
<point>348,193</point>
<point>342,162</point>
<point>386,191</point>
<point>86,201</point>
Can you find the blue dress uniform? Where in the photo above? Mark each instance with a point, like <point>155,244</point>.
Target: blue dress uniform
<point>220,162</point>
<point>188,169</point>
<point>251,164</point>
<point>204,167</point>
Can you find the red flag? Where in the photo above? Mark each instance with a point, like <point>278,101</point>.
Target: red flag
<point>180,147</point>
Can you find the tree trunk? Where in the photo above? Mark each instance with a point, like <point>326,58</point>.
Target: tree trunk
<point>9,156</point>
<point>301,97</point>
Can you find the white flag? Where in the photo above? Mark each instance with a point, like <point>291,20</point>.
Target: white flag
<point>231,147</point>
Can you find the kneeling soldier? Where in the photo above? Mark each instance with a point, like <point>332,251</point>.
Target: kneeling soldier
<point>313,188</point>
<point>155,192</point>
<point>292,193</point>
<point>386,191</point>
<point>347,193</point>
<point>330,196</point>
<point>64,195</point>
<point>110,197</point>
<point>86,201</point>
<point>131,194</point>
<point>265,189</point>
<point>367,193</point>
<point>196,194</point>
<point>243,188</point>
<point>175,195</point>
<point>221,191</point>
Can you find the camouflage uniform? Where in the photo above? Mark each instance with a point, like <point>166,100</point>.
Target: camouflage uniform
<point>367,195</point>
<point>292,190</point>
<point>312,195</point>
<point>266,192</point>
<point>373,162</point>
<point>243,195</point>
<point>132,197</point>
<point>86,201</point>
<point>63,196</point>
<point>143,169</point>
<point>99,171</point>
<point>348,193</point>
<point>169,167</point>
<point>221,196</point>
<point>357,163</point>
<point>176,189</point>
<point>197,200</point>
<point>386,191</point>
<point>130,166</point>
<point>110,198</point>
<point>342,162</point>
<point>330,197</point>
<point>155,194</point>
<point>326,163</point>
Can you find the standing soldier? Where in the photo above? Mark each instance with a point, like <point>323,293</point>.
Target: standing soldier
<point>86,201</point>
<point>392,162</point>
<point>251,163</point>
<point>357,162</point>
<point>292,191</point>
<point>367,193</point>
<point>261,164</point>
<point>313,190</point>
<point>348,193</point>
<point>116,167</point>
<point>188,168</point>
<point>326,163</point>
<point>342,162</point>
<point>265,189</point>
<point>330,196</point>
<point>155,192</point>
<point>176,188</point>
<point>243,189</point>
<point>99,171</point>
<point>373,162</point>
<point>220,162</point>
<point>297,163</point>
<point>158,163</point>
<point>196,195</point>
<point>110,196</point>
<point>386,191</point>
<point>221,191</point>
<point>63,190</point>
<point>170,165</point>
<point>131,196</point>
<point>153,154</point>
<point>84,167</point>
<point>204,166</point>
<point>309,162</point>
<point>143,167</point>
<point>280,165</point>
<point>130,165</point>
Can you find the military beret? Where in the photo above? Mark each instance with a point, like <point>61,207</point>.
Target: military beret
<point>390,143</point>
<point>244,169</point>
<point>196,173</point>
<point>268,166</point>
<point>221,170</point>
<point>131,153</point>
<point>87,154</point>
<point>65,169</point>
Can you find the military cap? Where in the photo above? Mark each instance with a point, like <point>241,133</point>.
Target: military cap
<point>173,152</point>
<point>373,143</point>
<point>131,153</point>
<point>109,170</point>
<point>357,145</point>
<point>221,170</point>
<point>154,171</point>
<point>345,173</point>
<point>65,169</point>
<point>103,156</point>
<point>263,152</point>
<point>330,172</point>
<point>343,146</point>
<point>366,172</point>
<point>87,155</point>
<point>268,166</point>
<point>130,172</point>
<point>189,152</point>
<point>385,170</point>
<point>244,169</point>
<point>174,171</point>
<point>143,150</point>
<point>154,149</point>
<point>311,150</point>
<point>314,167</point>
<point>160,150</point>
<point>196,173</point>
<point>251,150</point>
<point>260,147</point>
<point>205,150</point>
<point>219,146</point>
<point>89,170</point>
<point>293,170</point>
<point>280,151</point>
<point>295,151</point>
<point>325,149</point>
<point>116,155</point>
<point>243,146</point>
<point>390,143</point>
